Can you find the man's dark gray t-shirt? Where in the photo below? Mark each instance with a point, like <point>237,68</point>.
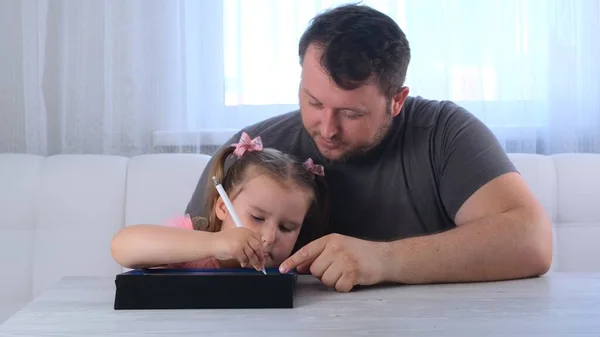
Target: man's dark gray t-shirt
<point>434,158</point>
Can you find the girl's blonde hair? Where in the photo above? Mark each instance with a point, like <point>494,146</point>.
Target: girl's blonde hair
<point>232,171</point>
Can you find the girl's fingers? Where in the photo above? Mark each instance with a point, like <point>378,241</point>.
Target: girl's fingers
<point>243,258</point>
<point>252,257</point>
<point>257,247</point>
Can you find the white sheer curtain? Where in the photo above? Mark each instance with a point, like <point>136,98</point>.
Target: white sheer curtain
<point>105,76</point>
<point>140,76</point>
<point>529,69</point>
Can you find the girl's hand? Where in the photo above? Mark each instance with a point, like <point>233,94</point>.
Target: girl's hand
<point>240,244</point>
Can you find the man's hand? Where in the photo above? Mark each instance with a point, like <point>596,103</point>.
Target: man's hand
<point>340,261</point>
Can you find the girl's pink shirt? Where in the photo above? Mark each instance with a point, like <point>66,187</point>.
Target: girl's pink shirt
<point>185,222</point>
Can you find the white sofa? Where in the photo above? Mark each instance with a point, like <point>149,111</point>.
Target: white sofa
<point>60,212</point>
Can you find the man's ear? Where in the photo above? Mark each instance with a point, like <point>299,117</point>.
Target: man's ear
<point>221,209</point>
<point>398,101</point>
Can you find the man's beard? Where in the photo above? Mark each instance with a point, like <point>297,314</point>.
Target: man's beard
<point>362,149</point>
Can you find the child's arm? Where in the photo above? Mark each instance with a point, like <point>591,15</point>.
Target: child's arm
<point>145,246</point>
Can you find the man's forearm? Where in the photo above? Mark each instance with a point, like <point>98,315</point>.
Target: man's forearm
<point>510,245</point>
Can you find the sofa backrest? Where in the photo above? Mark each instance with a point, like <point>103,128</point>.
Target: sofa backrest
<point>59,213</point>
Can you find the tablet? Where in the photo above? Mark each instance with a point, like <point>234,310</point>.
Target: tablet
<point>204,289</point>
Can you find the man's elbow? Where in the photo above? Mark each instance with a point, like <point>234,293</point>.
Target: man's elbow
<point>539,244</point>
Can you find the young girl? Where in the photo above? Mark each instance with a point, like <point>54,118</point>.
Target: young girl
<point>273,194</point>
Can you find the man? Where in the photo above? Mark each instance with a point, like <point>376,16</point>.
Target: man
<point>421,191</point>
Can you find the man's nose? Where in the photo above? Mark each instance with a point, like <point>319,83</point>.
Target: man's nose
<point>329,124</point>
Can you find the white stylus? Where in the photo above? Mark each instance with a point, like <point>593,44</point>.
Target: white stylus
<point>230,209</point>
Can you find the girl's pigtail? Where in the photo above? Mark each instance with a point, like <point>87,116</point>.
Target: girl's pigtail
<point>318,218</point>
<point>212,224</point>
<point>246,144</point>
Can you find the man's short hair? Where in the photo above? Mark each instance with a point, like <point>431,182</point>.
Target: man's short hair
<point>359,44</point>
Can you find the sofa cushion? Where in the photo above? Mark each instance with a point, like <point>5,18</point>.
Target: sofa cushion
<point>160,186</point>
<point>83,207</point>
<point>20,181</point>
<point>578,184</point>
<point>577,247</point>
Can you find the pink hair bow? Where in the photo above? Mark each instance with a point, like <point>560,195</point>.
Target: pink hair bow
<point>310,166</point>
<point>247,144</point>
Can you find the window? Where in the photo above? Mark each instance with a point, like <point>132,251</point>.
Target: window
<point>462,51</point>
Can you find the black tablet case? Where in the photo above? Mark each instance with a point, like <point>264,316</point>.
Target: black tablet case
<point>204,289</point>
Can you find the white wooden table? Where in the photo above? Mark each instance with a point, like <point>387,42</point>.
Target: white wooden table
<point>553,305</point>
